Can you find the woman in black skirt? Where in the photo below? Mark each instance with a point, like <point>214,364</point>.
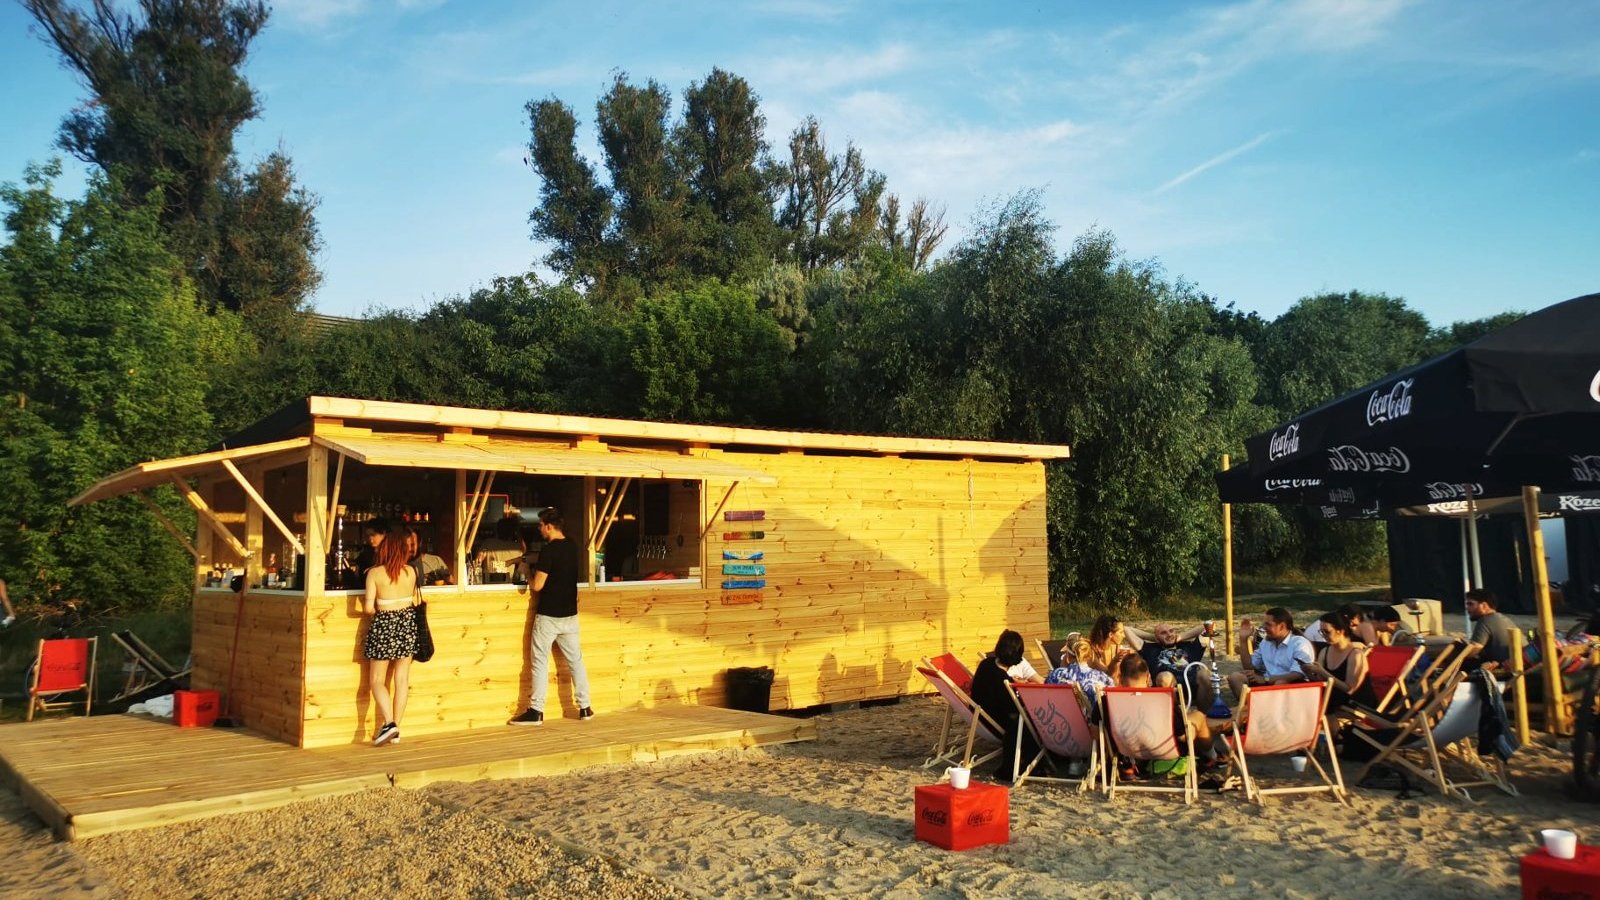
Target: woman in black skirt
<point>392,633</point>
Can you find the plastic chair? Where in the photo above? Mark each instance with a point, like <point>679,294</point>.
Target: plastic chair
<point>63,666</point>
<point>1280,719</point>
<point>1142,725</point>
<point>979,724</point>
<point>1054,714</point>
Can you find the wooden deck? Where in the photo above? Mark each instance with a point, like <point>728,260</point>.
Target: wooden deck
<point>89,776</point>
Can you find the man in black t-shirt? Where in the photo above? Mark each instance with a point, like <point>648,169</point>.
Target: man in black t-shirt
<point>555,621</point>
<point>1167,653</point>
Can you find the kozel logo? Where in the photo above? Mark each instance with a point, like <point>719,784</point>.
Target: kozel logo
<point>1585,468</point>
<point>1574,503</point>
<point>1396,404</point>
<point>1350,458</point>
<point>1444,490</point>
<point>1284,444</point>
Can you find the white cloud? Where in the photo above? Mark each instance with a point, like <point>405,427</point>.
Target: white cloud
<point>823,72</point>
<point>1217,160</point>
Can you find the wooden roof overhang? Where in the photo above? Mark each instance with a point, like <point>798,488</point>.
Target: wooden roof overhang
<point>136,479</point>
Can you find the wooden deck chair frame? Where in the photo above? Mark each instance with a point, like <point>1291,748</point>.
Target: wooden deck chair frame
<point>1298,729</point>
<point>1054,653</point>
<point>1429,752</point>
<point>147,667</point>
<point>1054,714</point>
<point>1166,733</point>
<point>979,724</point>
<point>47,683</point>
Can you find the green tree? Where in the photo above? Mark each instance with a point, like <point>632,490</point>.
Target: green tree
<point>1005,340</point>
<point>830,208</point>
<point>574,211</point>
<point>168,95</point>
<point>1328,345</point>
<point>1459,334</point>
<point>706,354</point>
<point>106,357</point>
<point>730,175</point>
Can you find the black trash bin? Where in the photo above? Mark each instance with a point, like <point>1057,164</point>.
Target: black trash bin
<point>750,688</point>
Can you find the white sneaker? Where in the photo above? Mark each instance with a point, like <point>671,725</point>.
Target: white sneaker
<point>390,732</point>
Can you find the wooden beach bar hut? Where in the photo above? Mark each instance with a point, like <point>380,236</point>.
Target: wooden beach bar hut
<point>837,560</point>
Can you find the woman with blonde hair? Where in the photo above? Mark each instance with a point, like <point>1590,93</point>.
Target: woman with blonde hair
<point>392,634</point>
<point>1076,671</point>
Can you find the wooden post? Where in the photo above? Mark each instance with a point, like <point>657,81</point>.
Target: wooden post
<point>319,520</point>
<point>1227,565</point>
<point>255,562</point>
<point>1519,685</point>
<point>459,567</point>
<point>1554,703</point>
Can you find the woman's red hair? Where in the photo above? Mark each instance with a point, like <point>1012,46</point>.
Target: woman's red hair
<point>392,555</point>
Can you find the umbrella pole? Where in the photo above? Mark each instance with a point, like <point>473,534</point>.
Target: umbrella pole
<point>1227,566</point>
<point>1555,720</point>
<point>1466,569</point>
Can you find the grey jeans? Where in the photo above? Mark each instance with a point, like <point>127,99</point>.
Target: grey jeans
<point>563,632</point>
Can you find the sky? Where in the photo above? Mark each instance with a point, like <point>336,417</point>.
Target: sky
<point>1442,151</point>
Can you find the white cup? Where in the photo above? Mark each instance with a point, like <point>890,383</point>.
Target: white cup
<point>1560,843</point>
<point>1299,763</point>
<point>960,777</point>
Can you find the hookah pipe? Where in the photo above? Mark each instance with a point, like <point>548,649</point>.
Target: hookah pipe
<point>1219,707</point>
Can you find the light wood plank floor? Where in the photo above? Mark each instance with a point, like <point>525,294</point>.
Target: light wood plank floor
<point>88,776</point>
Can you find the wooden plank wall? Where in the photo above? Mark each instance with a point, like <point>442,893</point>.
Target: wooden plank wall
<point>267,672</point>
<point>872,563</point>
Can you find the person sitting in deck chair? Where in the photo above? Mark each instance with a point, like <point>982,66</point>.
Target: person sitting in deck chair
<point>1278,658</point>
<point>1134,673</point>
<point>1085,676</point>
<point>989,691</point>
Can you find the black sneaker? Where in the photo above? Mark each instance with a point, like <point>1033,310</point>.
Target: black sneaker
<point>389,732</point>
<point>528,717</point>
<point>585,714</point>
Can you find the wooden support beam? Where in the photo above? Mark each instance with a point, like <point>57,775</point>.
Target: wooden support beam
<point>210,518</point>
<point>1554,700</point>
<point>1227,565</point>
<point>1519,685</point>
<point>261,502</point>
<point>333,500</point>
<point>712,519</point>
<point>599,521</point>
<point>609,519</point>
<point>167,524</point>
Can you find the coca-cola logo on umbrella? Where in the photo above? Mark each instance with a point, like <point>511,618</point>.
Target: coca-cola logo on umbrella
<point>1387,406</point>
<point>1350,458</point>
<point>1291,484</point>
<point>1284,444</point>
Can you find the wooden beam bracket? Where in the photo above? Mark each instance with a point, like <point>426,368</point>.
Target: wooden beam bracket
<point>261,504</point>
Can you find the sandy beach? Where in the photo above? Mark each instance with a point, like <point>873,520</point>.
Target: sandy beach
<point>829,818</point>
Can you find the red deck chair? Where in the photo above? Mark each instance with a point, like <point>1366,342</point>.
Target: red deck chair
<point>1279,719</point>
<point>1387,669</point>
<point>1138,723</point>
<point>953,669</point>
<point>1054,713</point>
<point>978,725</point>
<point>63,666</point>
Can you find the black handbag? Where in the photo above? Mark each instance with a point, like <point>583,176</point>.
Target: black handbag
<point>424,635</point>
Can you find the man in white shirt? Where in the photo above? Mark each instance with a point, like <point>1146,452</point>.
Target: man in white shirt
<point>1278,659</point>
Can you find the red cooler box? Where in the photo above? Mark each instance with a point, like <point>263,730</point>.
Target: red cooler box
<point>194,709</point>
<point>960,820</point>
<point>1546,878</point>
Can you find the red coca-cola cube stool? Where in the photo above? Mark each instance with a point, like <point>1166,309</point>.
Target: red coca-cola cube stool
<point>962,819</point>
<point>1546,878</point>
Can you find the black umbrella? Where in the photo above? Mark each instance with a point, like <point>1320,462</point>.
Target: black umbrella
<point>1520,405</point>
